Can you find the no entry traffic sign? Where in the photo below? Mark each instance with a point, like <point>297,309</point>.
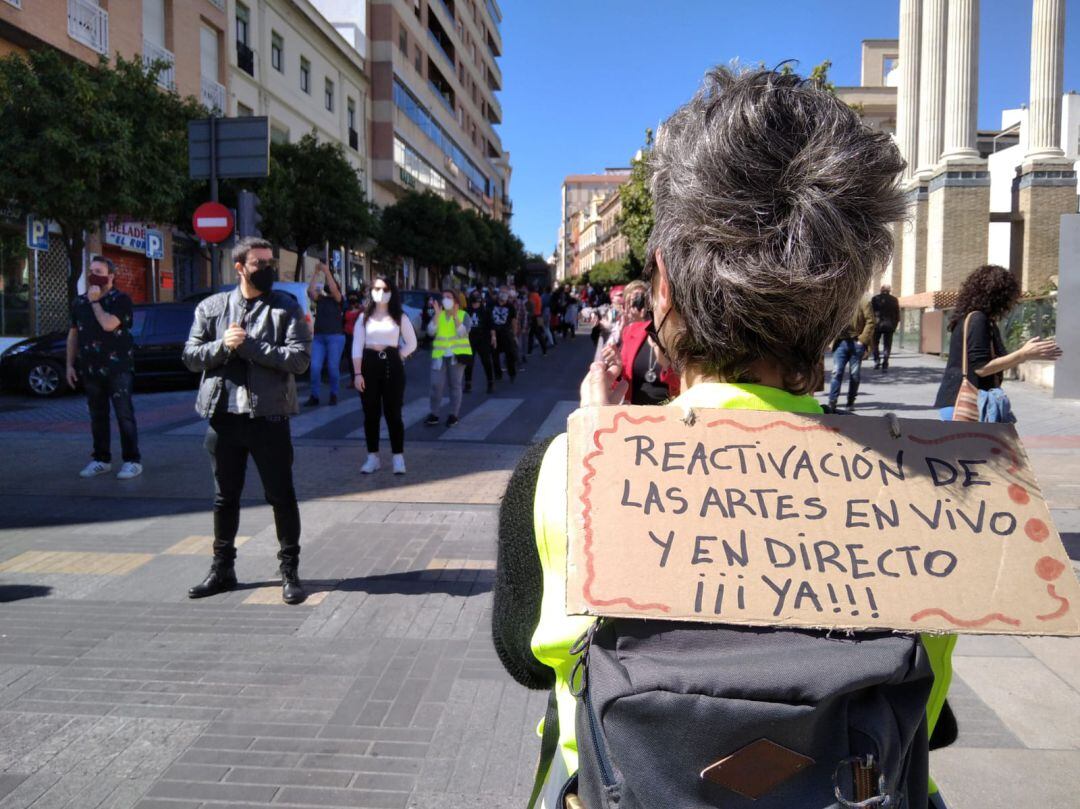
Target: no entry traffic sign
<point>213,222</point>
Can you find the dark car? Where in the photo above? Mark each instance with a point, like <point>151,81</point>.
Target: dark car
<point>160,329</point>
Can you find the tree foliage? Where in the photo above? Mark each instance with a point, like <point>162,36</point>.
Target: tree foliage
<point>83,142</point>
<point>312,197</point>
<point>635,221</point>
<point>610,273</point>
<point>436,232</point>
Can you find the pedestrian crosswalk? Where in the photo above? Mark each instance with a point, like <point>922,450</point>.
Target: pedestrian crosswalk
<point>487,421</point>
<point>411,414</point>
<point>482,420</point>
<point>555,422</point>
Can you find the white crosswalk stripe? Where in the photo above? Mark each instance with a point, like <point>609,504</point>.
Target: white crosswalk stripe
<point>555,422</point>
<point>308,421</point>
<point>412,413</point>
<point>482,421</point>
<point>311,419</point>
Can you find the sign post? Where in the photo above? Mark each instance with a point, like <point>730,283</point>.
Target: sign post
<point>155,251</point>
<point>227,148</point>
<point>37,239</point>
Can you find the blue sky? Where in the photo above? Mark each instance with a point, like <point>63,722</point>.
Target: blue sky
<point>583,80</point>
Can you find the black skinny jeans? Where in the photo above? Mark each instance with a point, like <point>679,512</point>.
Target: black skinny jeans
<point>230,439</point>
<point>480,341</point>
<point>383,396</point>
<point>505,344</point>
<point>112,390</point>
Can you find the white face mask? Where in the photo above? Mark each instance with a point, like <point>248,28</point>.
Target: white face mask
<point>447,303</point>
<point>378,295</point>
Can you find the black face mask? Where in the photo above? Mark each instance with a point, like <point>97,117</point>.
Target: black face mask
<point>653,331</point>
<point>263,278</point>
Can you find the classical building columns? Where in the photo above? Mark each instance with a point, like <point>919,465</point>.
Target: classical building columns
<point>1047,74</point>
<point>962,81</point>
<point>907,92</point>
<point>931,133</point>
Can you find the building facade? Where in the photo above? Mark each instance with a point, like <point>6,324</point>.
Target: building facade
<point>613,244</point>
<point>288,62</point>
<point>959,213</point>
<point>577,195</point>
<point>190,36</point>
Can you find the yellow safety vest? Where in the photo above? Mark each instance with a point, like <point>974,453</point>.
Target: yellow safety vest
<point>447,341</point>
<point>556,631</point>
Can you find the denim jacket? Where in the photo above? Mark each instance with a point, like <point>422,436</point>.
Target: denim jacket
<point>994,406</point>
<point>278,346</point>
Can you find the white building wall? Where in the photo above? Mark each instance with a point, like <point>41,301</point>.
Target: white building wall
<point>1003,165</point>
<point>277,94</point>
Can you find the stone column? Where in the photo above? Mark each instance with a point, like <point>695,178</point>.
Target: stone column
<point>907,93</point>
<point>1047,72</point>
<point>931,86</point>
<point>958,213</point>
<point>1046,185</point>
<point>962,80</point>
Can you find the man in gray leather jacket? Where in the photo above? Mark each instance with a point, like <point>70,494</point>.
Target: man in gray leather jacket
<point>249,344</point>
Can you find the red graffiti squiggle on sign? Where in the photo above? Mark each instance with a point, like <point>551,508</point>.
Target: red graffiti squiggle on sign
<point>802,428</point>
<point>966,623</point>
<point>586,492</point>
<point>1061,610</point>
<point>958,436</point>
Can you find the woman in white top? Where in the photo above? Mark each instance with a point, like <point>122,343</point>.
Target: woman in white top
<point>382,339</point>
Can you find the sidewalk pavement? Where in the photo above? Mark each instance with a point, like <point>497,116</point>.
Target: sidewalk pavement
<point>383,689</point>
<point>1017,700</point>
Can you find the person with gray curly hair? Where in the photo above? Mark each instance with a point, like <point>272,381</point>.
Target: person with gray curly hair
<point>773,204</point>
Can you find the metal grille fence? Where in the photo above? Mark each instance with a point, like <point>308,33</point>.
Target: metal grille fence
<point>53,311</point>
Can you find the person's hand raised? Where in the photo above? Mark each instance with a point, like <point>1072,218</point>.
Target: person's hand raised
<point>602,384</point>
<point>1042,348</point>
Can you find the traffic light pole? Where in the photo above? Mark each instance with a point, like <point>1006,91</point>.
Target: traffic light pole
<point>215,264</point>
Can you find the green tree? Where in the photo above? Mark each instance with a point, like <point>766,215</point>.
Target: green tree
<point>609,273</point>
<point>83,142</point>
<point>636,219</point>
<point>312,197</point>
<point>419,226</point>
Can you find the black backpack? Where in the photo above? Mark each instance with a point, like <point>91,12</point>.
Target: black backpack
<point>696,716</point>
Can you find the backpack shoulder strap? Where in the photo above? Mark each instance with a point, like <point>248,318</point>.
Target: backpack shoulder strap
<point>549,745</point>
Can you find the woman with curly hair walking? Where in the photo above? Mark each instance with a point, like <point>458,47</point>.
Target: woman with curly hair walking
<point>977,351</point>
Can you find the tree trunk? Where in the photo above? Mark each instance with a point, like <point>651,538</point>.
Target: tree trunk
<point>73,245</point>
<point>298,271</point>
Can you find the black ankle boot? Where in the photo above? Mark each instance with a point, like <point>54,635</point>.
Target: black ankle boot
<point>220,579</point>
<point>292,592</point>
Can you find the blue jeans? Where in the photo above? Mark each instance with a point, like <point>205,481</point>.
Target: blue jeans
<point>847,354</point>
<point>326,348</point>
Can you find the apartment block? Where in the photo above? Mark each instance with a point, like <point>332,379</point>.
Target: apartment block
<point>434,83</point>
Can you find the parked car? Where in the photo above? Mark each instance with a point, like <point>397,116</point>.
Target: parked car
<point>37,365</point>
<point>413,302</point>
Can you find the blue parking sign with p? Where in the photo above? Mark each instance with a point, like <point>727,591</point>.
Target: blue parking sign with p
<point>37,233</point>
<point>155,244</point>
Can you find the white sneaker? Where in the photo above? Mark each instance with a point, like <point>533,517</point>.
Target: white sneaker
<point>370,465</point>
<point>130,469</point>
<point>399,464</point>
<point>95,468</point>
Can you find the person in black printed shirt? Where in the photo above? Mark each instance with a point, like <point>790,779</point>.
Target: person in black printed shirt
<point>502,315</point>
<point>100,350</point>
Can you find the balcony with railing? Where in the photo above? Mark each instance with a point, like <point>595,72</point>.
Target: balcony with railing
<point>155,53</point>
<point>219,4</point>
<point>437,34</point>
<point>448,7</point>
<point>89,24</point>
<point>354,139</point>
<point>212,95</point>
<point>441,87</point>
<point>245,58</point>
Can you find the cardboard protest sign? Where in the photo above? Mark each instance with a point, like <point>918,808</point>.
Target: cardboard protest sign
<point>781,519</point>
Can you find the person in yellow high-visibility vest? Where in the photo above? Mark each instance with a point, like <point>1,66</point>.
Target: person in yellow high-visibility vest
<point>751,273</point>
<point>451,346</point>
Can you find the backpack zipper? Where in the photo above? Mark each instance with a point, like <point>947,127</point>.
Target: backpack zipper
<point>581,647</point>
